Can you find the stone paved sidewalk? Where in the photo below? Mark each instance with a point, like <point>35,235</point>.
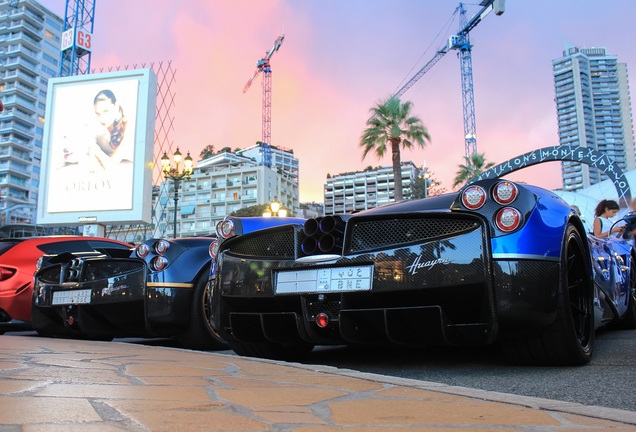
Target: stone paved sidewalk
<point>67,385</point>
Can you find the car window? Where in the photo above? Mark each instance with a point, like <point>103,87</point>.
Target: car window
<point>5,245</point>
<point>78,246</point>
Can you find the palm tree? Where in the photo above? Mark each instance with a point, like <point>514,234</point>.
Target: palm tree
<point>474,165</point>
<point>391,123</point>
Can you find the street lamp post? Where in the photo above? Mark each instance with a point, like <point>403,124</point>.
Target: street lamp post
<point>275,209</point>
<point>173,174</point>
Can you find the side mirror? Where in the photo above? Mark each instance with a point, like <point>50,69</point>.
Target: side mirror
<point>630,217</point>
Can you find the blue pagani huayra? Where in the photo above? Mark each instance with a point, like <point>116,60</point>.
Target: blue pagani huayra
<point>496,262</point>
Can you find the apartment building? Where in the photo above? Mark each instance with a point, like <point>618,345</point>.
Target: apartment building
<point>220,185</point>
<point>29,56</point>
<point>594,111</point>
<point>362,190</point>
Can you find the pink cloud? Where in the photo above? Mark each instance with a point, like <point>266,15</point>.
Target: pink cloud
<point>340,58</point>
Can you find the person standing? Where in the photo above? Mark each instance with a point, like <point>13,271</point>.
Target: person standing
<point>603,226</point>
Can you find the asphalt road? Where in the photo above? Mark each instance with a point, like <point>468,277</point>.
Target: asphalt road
<point>608,380</point>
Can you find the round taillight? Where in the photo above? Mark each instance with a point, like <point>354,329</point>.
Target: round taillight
<point>225,229</point>
<point>142,250</point>
<point>505,192</point>
<point>322,319</point>
<point>161,247</point>
<point>214,249</point>
<point>159,263</point>
<point>473,197</point>
<point>508,219</point>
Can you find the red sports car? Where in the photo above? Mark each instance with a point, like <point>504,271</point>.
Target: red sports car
<point>18,261</point>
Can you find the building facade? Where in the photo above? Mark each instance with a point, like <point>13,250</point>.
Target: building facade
<point>220,185</point>
<point>593,110</point>
<point>29,55</point>
<point>362,190</point>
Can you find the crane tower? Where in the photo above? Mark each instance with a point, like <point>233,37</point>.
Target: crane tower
<point>461,42</point>
<point>263,66</point>
<point>77,38</point>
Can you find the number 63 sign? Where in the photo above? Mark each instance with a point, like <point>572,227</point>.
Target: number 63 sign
<point>81,38</point>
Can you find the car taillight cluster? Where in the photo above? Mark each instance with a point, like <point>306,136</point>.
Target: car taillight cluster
<point>160,247</point>
<point>225,229</point>
<point>504,193</point>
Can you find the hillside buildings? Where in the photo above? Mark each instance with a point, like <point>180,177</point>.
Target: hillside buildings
<point>593,109</point>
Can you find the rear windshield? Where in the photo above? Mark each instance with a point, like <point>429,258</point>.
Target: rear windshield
<point>5,245</point>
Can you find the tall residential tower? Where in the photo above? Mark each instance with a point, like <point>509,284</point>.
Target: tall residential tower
<point>29,56</point>
<point>594,110</point>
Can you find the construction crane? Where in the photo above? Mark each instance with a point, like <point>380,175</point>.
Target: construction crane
<point>461,43</point>
<point>263,65</point>
<point>77,38</point>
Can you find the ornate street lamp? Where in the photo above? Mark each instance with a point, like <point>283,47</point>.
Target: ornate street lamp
<point>173,174</point>
<point>275,209</point>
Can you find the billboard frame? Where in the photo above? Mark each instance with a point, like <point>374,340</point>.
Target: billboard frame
<point>68,198</point>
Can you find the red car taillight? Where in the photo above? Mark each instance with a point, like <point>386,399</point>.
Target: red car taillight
<point>161,247</point>
<point>6,273</point>
<point>508,219</point>
<point>214,249</point>
<point>474,197</point>
<point>159,263</point>
<point>225,229</point>
<point>142,250</point>
<point>505,192</point>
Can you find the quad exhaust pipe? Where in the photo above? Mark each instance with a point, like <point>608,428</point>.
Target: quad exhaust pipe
<point>323,235</point>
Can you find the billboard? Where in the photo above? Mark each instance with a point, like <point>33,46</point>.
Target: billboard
<point>97,152</point>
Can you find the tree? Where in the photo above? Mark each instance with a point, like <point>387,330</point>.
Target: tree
<point>255,210</point>
<point>207,152</point>
<point>431,183</point>
<point>474,165</point>
<point>391,124</point>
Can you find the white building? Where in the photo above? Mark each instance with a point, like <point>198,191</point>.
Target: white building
<point>220,185</point>
<point>594,110</point>
<point>29,56</point>
<point>362,190</point>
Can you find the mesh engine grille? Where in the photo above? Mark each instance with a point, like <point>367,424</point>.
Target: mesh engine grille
<point>377,234</point>
<point>279,244</point>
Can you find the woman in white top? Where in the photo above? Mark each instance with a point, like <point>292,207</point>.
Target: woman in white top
<point>605,210</point>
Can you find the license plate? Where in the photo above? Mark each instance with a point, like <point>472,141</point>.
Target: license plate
<point>324,280</point>
<point>71,297</point>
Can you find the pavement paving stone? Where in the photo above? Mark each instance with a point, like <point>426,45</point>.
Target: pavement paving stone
<point>50,385</point>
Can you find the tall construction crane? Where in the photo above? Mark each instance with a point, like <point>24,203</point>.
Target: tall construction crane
<point>263,65</point>
<point>461,43</point>
<point>77,38</point>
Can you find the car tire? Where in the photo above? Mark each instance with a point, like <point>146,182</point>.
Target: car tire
<point>569,340</point>
<point>272,351</point>
<point>199,334</point>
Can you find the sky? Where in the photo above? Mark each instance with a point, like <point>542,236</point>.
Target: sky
<point>341,57</point>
